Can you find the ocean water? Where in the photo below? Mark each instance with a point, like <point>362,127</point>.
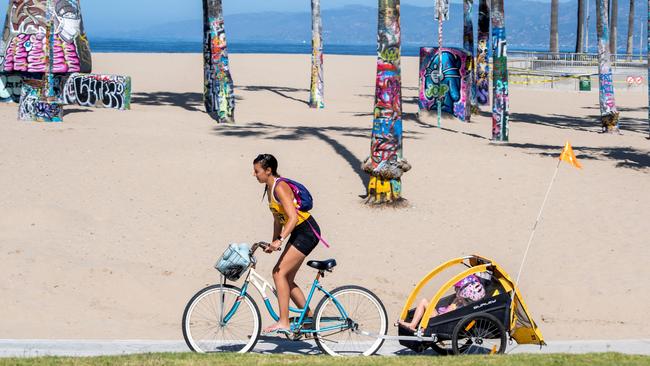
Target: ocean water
<point>176,46</point>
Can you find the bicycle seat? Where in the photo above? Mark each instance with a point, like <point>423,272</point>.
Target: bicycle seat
<point>325,265</point>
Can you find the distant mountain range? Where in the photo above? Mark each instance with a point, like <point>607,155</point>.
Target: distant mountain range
<point>527,25</point>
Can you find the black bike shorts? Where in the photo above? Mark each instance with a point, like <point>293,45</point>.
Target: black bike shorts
<point>303,236</point>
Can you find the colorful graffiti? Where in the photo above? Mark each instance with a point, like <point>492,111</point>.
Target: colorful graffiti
<point>648,34</point>
<point>608,113</point>
<point>468,45</point>
<point>34,107</point>
<point>219,98</point>
<point>10,88</point>
<point>316,95</point>
<point>99,91</point>
<point>451,87</point>
<point>500,97</point>
<point>25,41</point>
<point>482,66</point>
<point>385,164</point>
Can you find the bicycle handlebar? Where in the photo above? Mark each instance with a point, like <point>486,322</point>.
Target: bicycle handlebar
<point>263,245</point>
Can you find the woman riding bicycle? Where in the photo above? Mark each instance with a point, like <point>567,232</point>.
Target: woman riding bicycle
<point>288,222</point>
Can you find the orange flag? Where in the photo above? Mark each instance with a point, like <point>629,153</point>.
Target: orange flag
<point>568,156</point>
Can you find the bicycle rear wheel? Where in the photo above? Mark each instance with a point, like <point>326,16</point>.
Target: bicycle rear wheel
<point>204,332</point>
<point>357,334</point>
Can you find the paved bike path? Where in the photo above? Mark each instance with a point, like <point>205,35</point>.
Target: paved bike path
<point>274,345</point>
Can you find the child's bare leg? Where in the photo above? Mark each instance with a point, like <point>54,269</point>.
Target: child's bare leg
<point>417,315</point>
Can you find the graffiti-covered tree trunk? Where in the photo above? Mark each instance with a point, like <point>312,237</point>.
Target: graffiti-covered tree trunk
<point>482,68</point>
<point>629,49</point>
<point>385,164</point>
<point>468,45</point>
<point>580,27</point>
<point>553,40</point>
<point>218,95</point>
<point>613,26</point>
<point>500,100</point>
<point>608,112</point>
<point>316,95</point>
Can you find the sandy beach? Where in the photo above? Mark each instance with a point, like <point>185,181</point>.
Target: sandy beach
<point>112,220</point>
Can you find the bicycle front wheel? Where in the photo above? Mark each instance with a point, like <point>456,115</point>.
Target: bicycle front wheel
<point>216,319</point>
<point>350,322</point>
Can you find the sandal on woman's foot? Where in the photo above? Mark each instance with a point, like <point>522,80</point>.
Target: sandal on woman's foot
<point>273,330</point>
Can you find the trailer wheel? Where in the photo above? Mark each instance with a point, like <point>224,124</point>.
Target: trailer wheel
<point>480,333</point>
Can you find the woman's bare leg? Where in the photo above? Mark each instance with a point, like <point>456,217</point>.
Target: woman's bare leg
<point>283,275</point>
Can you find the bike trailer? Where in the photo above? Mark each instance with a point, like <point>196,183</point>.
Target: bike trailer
<point>500,312</point>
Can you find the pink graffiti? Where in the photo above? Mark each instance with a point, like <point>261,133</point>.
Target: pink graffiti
<point>26,53</point>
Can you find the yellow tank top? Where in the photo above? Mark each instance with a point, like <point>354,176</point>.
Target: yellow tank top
<point>278,211</point>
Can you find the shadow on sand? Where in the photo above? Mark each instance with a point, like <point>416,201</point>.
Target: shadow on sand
<point>275,132</point>
<point>278,90</point>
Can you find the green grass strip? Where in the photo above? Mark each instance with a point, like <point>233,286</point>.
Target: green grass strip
<point>187,359</point>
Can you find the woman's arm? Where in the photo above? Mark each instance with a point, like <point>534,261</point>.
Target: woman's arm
<point>277,227</point>
<point>285,196</point>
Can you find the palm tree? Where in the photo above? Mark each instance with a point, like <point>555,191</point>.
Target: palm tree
<point>468,45</point>
<point>613,25</point>
<point>385,164</point>
<point>500,93</point>
<point>316,96</point>
<point>581,25</point>
<point>218,94</point>
<point>553,40</point>
<point>630,31</point>
<point>482,66</point>
<point>608,112</point>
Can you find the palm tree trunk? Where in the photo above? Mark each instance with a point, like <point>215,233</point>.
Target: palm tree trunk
<point>468,44</point>
<point>613,27</point>
<point>629,49</point>
<point>500,100</point>
<point>608,112</point>
<point>218,97</point>
<point>316,95</point>
<point>581,25</point>
<point>385,164</point>
<point>553,40</point>
<point>482,66</point>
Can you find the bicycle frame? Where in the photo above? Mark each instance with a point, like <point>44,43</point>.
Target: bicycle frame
<point>261,284</point>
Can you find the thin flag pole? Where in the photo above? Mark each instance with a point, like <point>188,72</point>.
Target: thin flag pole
<point>532,234</point>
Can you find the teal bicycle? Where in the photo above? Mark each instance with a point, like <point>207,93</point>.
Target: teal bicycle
<point>348,321</point>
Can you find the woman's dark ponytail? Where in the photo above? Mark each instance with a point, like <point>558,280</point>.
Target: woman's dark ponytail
<point>267,161</point>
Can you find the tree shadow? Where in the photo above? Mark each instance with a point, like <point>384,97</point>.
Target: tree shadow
<point>76,110</point>
<point>189,101</point>
<point>625,157</point>
<point>279,90</point>
<point>588,123</point>
<point>275,132</point>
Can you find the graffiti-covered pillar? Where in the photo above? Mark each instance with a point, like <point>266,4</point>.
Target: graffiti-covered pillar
<point>316,95</point>
<point>500,99</point>
<point>218,94</point>
<point>468,45</point>
<point>482,66</point>
<point>648,80</point>
<point>608,112</point>
<point>385,164</point>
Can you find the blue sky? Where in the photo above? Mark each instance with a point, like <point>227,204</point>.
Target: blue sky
<point>114,13</point>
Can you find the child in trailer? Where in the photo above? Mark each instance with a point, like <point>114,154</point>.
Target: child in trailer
<point>468,290</point>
